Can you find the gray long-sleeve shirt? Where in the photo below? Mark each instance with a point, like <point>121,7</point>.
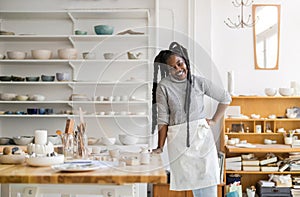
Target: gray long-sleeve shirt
<point>170,97</point>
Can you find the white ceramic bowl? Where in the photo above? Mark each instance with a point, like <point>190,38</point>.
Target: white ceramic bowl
<point>67,53</point>
<point>270,91</point>
<point>23,140</point>
<point>291,115</point>
<point>37,97</point>
<point>41,54</point>
<point>108,141</point>
<point>54,139</point>
<point>127,139</point>
<point>45,161</point>
<point>17,55</point>
<point>7,96</point>
<point>4,140</point>
<point>286,91</point>
<point>12,159</point>
<point>21,98</point>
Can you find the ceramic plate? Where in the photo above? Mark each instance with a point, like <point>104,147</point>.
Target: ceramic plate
<point>245,145</point>
<point>45,161</point>
<point>72,167</point>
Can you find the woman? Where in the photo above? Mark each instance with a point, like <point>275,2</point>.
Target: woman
<point>182,121</point>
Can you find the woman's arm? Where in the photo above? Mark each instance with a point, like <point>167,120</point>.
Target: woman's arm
<point>162,135</point>
<point>218,115</point>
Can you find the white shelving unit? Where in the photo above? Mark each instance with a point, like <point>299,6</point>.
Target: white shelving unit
<point>53,30</point>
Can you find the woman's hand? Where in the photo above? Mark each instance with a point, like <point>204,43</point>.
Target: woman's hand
<point>210,122</point>
<point>157,150</point>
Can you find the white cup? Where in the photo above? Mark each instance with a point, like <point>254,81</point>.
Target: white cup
<point>114,153</point>
<point>111,98</point>
<point>117,98</point>
<point>96,150</point>
<point>101,98</point>
<point>95,98</point>
<point>250,193</point>
<point>123,113</point>
<point>237,140</point>
<point>231,142</point>
<point>288,140</point>
<point>124,98</point>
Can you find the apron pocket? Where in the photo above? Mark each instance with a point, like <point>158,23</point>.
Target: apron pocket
<point>199,164</point>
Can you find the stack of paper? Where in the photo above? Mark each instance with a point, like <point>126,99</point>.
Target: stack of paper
<point>269,164</point>
<point>251,165</point>
<point>233,163</point>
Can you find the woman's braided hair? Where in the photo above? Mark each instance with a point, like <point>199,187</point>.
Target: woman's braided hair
<point>160,62</point>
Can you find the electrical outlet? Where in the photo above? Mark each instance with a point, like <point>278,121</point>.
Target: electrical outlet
<point>109,193</point>
<point>30,192</point>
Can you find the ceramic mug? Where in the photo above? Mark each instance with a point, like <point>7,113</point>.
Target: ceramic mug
<point>114,153</point>
<point>288,140</point>
<point>88,55</point>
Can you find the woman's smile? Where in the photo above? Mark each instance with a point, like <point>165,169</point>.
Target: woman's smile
<point>178,67</point>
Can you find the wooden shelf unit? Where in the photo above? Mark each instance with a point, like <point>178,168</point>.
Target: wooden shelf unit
<point>264,106</point>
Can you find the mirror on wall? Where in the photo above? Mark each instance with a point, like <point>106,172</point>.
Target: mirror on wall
<point>266,35</point>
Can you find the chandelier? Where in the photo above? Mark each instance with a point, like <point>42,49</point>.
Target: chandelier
<point>241,23</point>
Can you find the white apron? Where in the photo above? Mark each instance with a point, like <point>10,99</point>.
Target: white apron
<point>196,166</point>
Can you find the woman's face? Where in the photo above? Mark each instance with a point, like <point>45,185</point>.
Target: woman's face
<point>177,67</point>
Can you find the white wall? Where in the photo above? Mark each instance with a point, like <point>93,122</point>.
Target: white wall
<point>232,49</point>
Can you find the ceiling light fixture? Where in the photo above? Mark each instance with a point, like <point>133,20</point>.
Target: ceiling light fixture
<point>241,23</point>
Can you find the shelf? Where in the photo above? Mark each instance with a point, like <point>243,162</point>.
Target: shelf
<point>100,38</point>
<point>77,14</point>
<point>263,148</point>
<point>36,116</point>
<point>35,83</point>
<point>74,102</point>
<point>72,116</point>
<point>34,102</point>
<point>24,15</point>
<point>251,134</point>
<point>71,83</point>
<point>72,61</point>
<point>92,77</point>
<point>265,97</point>
<point>76,38</point>
<point>110,13</point>
<point>31,38</point>
<point>262,119</point>
<point>260,172</point>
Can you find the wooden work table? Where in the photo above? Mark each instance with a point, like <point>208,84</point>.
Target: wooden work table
<point>151,173</point>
